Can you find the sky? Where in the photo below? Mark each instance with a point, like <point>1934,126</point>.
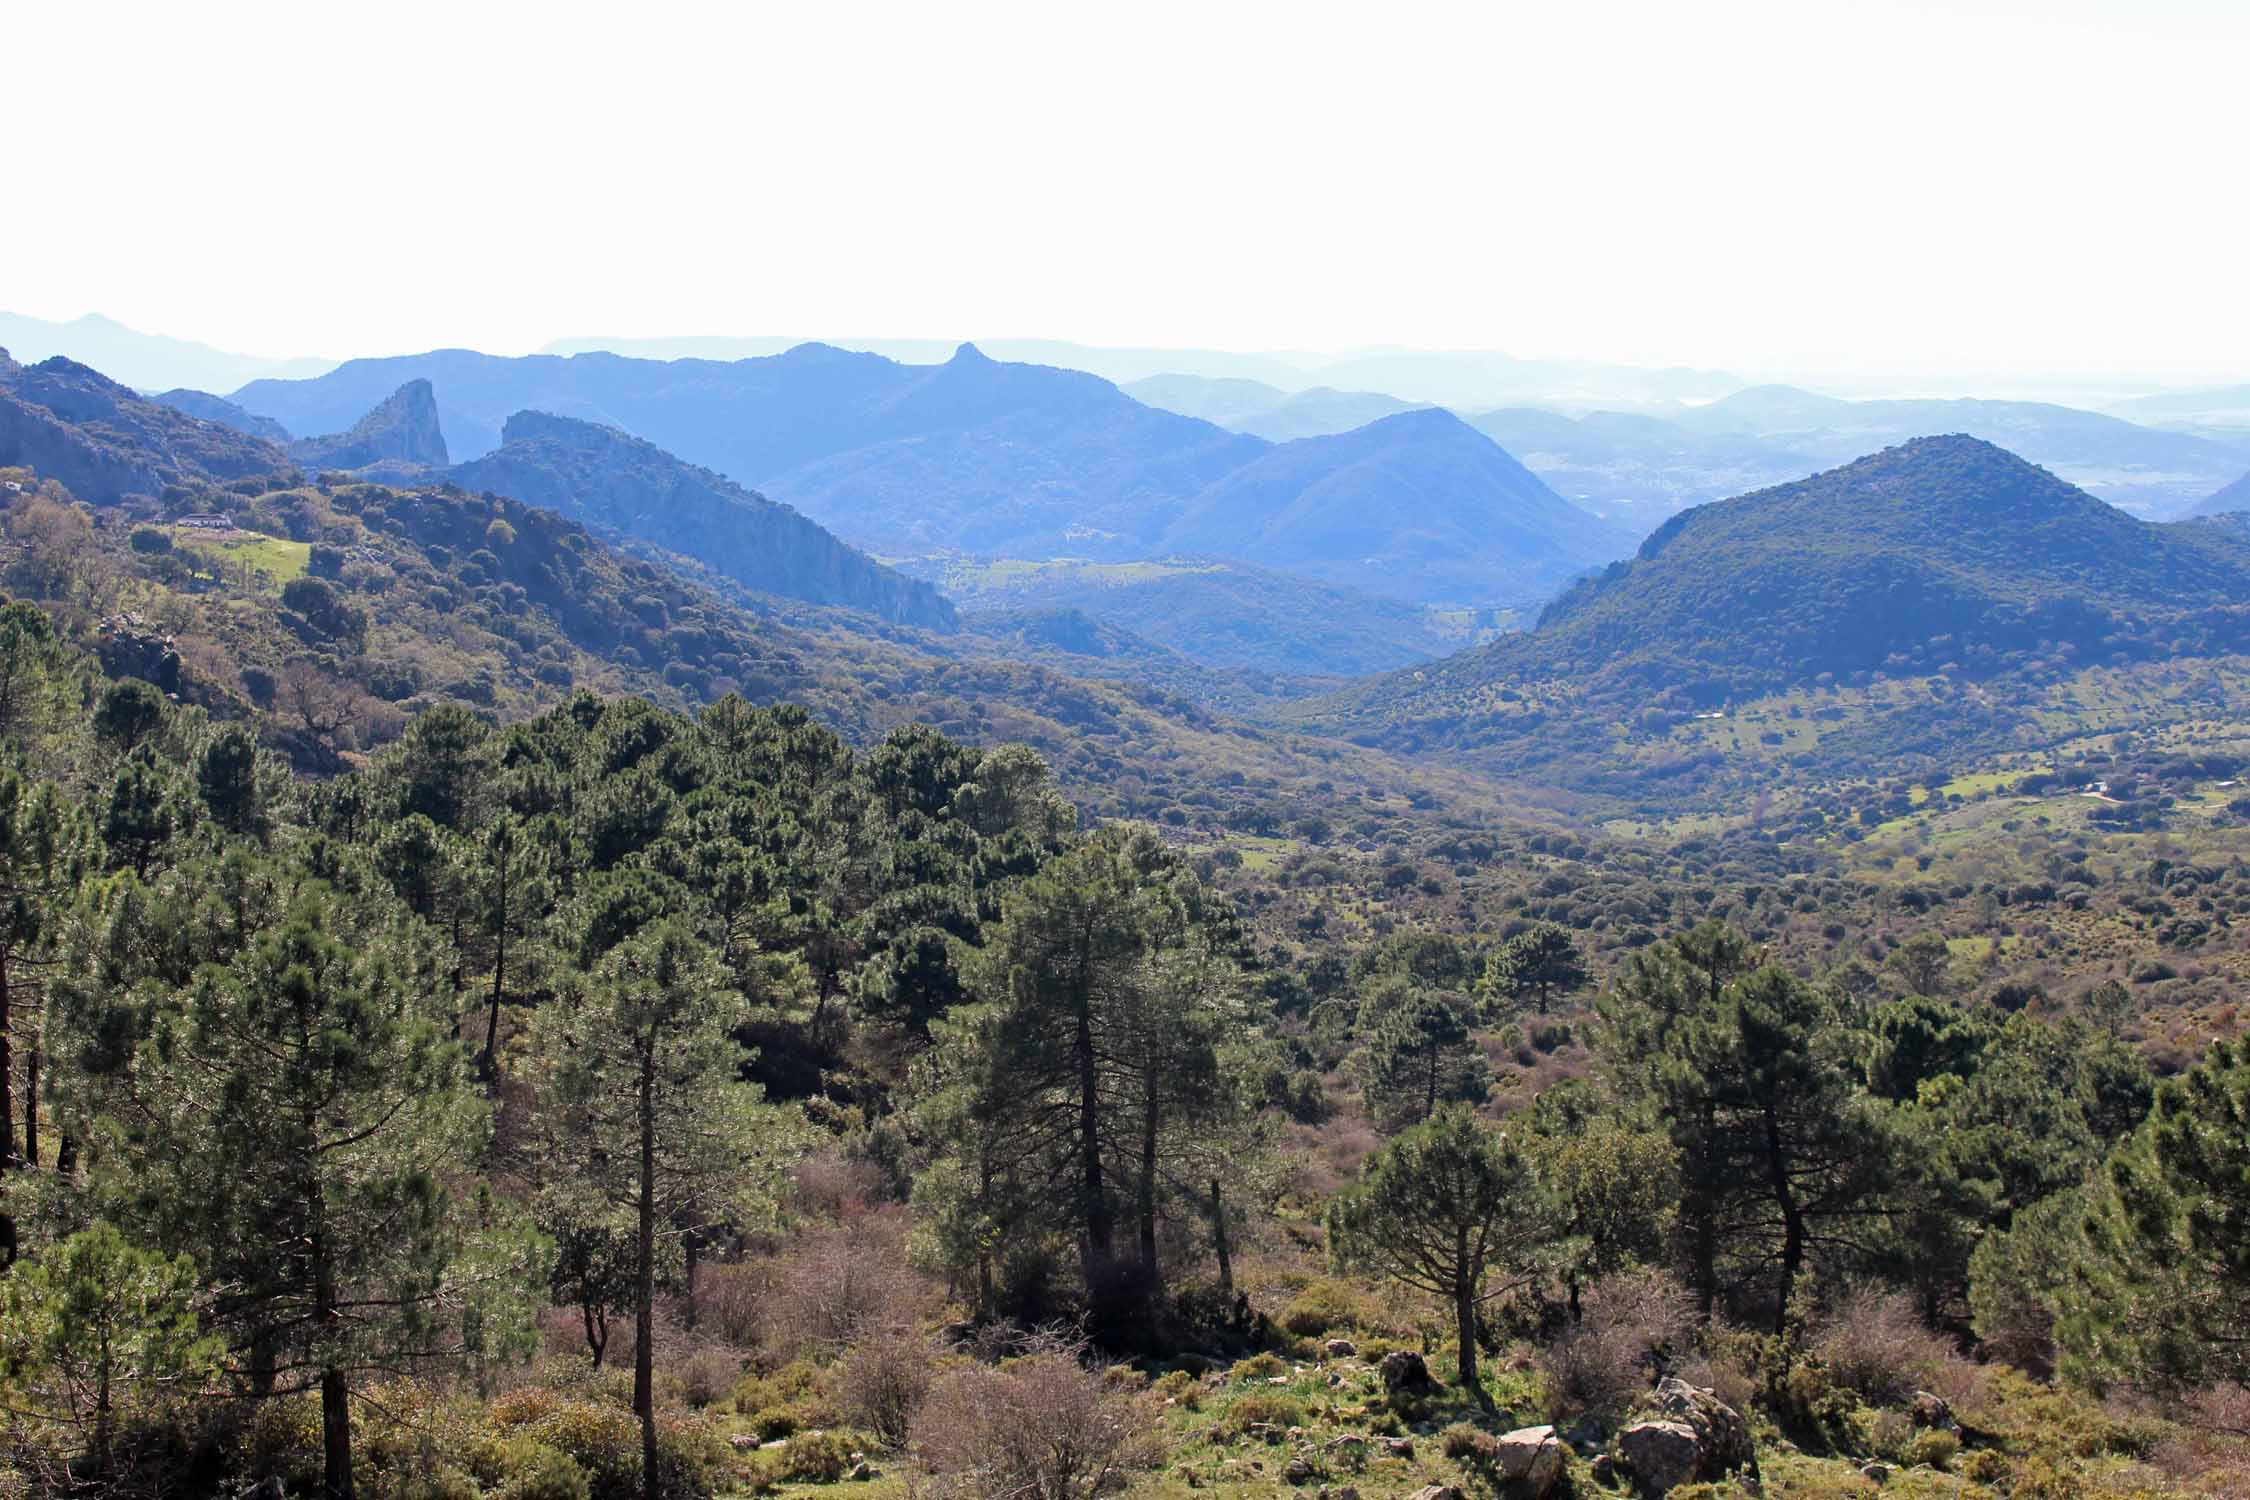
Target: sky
<point>2036,186</point>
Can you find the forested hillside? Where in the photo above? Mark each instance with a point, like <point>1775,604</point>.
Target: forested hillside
<point>490,1012</point>
<point>1931,604</point>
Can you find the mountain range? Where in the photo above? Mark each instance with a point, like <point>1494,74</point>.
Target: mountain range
<point>1637,467</point>
<point>985,458</point>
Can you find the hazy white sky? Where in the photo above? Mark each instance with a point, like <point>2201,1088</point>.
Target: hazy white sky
<point>2029,185</point>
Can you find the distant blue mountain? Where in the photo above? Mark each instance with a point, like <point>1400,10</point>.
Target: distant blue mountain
<point>977,456</point>
<point>1419,505</point>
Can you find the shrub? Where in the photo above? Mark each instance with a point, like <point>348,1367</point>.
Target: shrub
<point>1323,1307</point>
<point>605,1442</point>
<point>774,1423</point>
<point>1603,1361</point>
<point>1934,1448</point>
<point>1466,1444</point>
<point>1042,1425</point>
<point>830,1288</point>
<point>1264,1406</point>
<point>883,1382</point>
<point>706,1375</point>
<point>795,1387</point>
<point>1874,1345</point>
<point>816,1457</point>
<point>1180,1386</point>
<point>534,1471</point>
<point>1258,1367</point>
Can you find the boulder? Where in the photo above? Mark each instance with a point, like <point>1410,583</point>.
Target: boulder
<point>1531,1457</point>
<point>1339,1348</point>
<point>1877,1472</point>
<point>1438,1492</point>
<point>1298,1471</point>
<point>1689,1435</point>
<point>1405,1374</point>
<point>1398,1447</point>
<point>1663,1455</point>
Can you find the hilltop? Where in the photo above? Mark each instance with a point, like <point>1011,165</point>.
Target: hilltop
<point>1417,506</point>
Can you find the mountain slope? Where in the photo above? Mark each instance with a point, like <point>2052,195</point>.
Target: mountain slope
<point>103,441</point>
<point>973,455</point>
<point>605,478</point>
<point>402,431</point>
<point>1225,615</point>
<point>1416,506</point>
<point>219,409</point>
<point>2235,497</point>
<point>1945,562</point>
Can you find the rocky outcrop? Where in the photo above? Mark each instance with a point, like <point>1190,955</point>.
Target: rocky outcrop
<point>605,478</point>
<point>398,436</point>
<point>1688,1435</point>
<point>103,441</point>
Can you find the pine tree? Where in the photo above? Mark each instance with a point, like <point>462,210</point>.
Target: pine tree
<point>296,1117</point>
<point>643,1113</point>
<point>1443,1208</point>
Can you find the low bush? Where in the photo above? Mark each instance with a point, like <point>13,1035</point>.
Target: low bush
<point>1323,1307</point>
<point>1258,1367</point>
<point>816,1457</point>
<point>532,1470</point>
<point>1043,1425</point>
<point>1627,1325</point>
<point>1875,1345</point>
<point>1264,1407</point>
<point>883,1382</point>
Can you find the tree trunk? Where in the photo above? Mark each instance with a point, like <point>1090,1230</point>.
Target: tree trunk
<point>1151,1119</point>
<point>1101,1236</point>
<point>691,1250</point>
<point>644,1308</point>
<point>1465,1313</point>
<point>1219,1238</point>
<point>335,1391</point>
<point>1792,1219</point>
<point>489,1064</point>
<point>7,1112</point>
<point>31,1064</point>
<point>597,1330</point>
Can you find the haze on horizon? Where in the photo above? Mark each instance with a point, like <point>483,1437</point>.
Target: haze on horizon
<point>1813,186</point>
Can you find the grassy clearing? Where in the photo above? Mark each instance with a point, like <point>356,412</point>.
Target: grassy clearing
<point>279,560</point>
